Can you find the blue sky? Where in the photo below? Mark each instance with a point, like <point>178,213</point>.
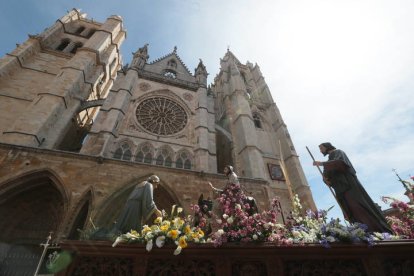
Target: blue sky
<point>339,71</point>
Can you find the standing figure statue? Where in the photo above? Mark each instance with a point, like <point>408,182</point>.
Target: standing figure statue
<point>139,208</point>
<point>232,179</point>
<point>354,201</point>
<point>231,176</point>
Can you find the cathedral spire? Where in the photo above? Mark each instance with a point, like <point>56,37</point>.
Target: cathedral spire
<point>140,57</point>
<point>201,73</point>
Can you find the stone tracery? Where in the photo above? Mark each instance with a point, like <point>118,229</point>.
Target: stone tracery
<point>161,116</point>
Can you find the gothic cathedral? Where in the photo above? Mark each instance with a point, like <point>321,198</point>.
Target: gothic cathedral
<point>78,130</point>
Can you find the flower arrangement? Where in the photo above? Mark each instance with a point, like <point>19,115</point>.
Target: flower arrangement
<point>402,225</point>
<point>314,228</point>
<point>236,222</point>
<point>165,230</point>
<point>237,225</point>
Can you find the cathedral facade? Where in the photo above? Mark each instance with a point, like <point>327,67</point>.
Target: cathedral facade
<point>78,130</point>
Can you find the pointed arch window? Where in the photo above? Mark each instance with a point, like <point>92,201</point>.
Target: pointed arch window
<point>91,32</point>
<point>257,121</point>
<point>75,48</point>
<point>80,30</point>
<point>168,162</point>
<point>183,161</point>
<point>123,152</point>
<point>63,44</point>
<point>145,153</point>
<point>164,157</point>
<point>160,160</point>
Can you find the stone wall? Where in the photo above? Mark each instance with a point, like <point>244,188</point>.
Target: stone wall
<point>105,182</point>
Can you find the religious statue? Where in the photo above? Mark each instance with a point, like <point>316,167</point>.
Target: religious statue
<point>139,207</point>
<point>356,204</point>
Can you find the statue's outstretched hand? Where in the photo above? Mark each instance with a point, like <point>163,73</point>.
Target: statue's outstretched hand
<point>158,213</point>
<point>317,163</point>
<point>326,180</point>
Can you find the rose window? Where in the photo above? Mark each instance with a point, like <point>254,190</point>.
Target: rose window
<point>161,116</point>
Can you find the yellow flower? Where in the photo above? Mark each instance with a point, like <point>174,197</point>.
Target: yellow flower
<point>158,220</point>
<point>178,222</point>
<point>166,222</point>
<point>195,235</point>
<point>145,229</point>
<point>182,243</point>
<point>134,232</point>
<point>201,233</point>
<point>154,228</point>
<point>164,228</point>
<point>187,229</point>
<point>173,234</point>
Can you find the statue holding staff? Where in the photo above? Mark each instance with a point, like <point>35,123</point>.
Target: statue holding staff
<point>356,204</point>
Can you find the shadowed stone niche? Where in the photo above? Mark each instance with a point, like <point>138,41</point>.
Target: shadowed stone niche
<point>29,210</point>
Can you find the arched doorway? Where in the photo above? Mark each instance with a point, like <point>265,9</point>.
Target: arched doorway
<point>30,208</point>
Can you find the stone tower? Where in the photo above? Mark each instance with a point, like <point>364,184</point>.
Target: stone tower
<point>51,83</point>
<point>251,133</point>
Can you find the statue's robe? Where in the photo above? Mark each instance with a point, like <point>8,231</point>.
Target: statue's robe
<point>355,202</point>
<point>140,206</point>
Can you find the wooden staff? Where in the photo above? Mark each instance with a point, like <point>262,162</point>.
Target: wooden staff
<point>330,188</point>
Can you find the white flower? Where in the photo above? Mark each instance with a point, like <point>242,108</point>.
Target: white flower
<point>225,216</point>
<point>178,250</point>
<point>295,233</point>
<point>179,210</point>
<point>219,221</point>
<point>160,241</point>
<point>220,232</point>
<point>254,237</point>
<point>238,206</point>
<point>118,240</point>
<point>230,220</point>
<point>130,236</point>
<point>149,236</point>
<point>149,246</point>
<point>330,239</point>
